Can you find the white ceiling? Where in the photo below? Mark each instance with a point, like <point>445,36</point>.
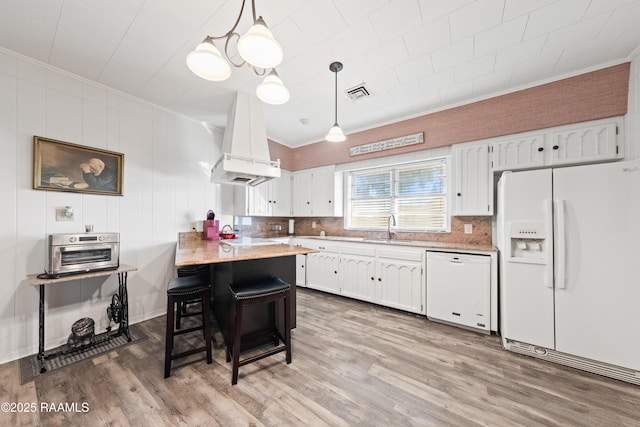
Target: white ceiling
<point>415,56</point>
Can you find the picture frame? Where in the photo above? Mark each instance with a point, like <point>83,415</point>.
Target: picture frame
<point>63,166</point>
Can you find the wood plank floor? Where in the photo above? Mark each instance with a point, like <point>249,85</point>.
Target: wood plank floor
<point>354,364</point>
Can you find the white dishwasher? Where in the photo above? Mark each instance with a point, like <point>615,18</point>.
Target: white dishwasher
<point>459,289</point>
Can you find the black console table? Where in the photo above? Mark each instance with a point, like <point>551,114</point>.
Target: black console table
<point>123,327</point>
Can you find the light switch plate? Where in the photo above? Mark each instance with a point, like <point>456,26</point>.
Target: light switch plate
<point>468,228</point>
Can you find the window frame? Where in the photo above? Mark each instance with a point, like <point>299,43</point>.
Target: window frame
<point>393,169</point>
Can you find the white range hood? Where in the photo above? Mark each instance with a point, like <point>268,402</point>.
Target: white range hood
<point>245,156</point>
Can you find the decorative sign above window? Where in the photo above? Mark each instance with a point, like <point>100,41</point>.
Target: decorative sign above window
<point>417,138</point>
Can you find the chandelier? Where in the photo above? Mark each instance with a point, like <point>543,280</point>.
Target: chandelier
<point>258,49</point>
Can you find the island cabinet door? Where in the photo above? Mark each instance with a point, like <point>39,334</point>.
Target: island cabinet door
<point>400,282</point>
<point>301,271</point>
<point>322,271</point>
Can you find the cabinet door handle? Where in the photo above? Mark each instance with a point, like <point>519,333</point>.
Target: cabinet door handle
<point>302,266</point>
<point>372,278</point>
<point>540,148</point>
<point>379,279</point>
<point>307,202</point>
<point>458,194</point>
<point>274,202</point>
<point>329,201</point>
<point>555,147</point>
<point>455,314</point>
<point>335,271</point>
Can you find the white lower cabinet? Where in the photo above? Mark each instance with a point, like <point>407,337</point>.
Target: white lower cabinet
<point>358,274</point>
<point>373,273</point>
<point>322,271</point>
<point>301,271</point>
<point>401,280</point>
<point>457,288</point>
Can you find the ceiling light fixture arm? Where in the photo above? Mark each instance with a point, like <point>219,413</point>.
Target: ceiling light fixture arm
<point>257,49</point>
<point>232,32</point>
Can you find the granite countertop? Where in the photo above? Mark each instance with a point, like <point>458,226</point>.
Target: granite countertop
<point>194,252</point>
<point>444,246</point>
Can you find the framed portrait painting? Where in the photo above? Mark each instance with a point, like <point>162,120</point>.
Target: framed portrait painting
<point>62,166</point>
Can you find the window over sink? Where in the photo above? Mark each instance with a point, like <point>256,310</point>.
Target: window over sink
<point>414,193</point>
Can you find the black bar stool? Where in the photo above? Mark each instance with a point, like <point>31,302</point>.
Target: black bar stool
<point>267,290</point>
<point>179,291</point>
<point>183,307</point>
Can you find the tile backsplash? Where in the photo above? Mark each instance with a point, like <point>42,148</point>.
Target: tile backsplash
<point>278,227</point>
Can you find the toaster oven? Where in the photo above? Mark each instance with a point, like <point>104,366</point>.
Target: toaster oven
<point>82,253</point>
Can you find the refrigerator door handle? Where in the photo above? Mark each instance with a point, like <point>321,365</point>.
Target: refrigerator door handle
<point>561,245</point>
<point>548,206</point>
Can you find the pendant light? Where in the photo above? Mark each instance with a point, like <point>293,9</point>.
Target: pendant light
<point>258,49</point>
<point>335,133</point>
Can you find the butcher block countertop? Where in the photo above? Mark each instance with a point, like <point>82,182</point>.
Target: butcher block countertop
<point>194,252</point>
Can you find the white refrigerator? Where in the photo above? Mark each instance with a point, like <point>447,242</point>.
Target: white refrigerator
<point>569,241</point>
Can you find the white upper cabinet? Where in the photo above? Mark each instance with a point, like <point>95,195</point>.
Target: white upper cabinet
<point>520,151</point>
<point>301,194</point>
<point>272,198</point>
<point>588,142</point>
<point>281,195</point>
<point>474,162</point>
<point>317,192</point>
<point>472,179</point>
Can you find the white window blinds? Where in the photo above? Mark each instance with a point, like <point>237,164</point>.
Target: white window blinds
<point>416,194</point>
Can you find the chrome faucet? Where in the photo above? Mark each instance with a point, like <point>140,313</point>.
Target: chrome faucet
<point>391,219</point>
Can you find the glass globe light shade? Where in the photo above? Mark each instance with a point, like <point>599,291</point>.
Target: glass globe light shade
<point>335,134</point>
<point>207,62</point>
<point>258,46</point>
<point>272,90</point>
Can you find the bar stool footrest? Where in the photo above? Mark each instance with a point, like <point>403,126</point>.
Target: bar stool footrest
<point>189,353</point>
<point>262,355</point>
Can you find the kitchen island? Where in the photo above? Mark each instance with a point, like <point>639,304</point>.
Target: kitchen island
<point>238,261</point>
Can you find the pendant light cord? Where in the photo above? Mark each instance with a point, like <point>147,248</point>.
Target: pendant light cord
<point>335,97</point>
<point>335,67</point>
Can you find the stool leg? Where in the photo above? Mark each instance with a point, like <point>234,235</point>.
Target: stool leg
<point>168,337</point>
<point>206,320</point>
<point>235,353</point>
<point>181,307</point>
<point>230,331</point>
<point>287,325</point>
<point>276,314</point>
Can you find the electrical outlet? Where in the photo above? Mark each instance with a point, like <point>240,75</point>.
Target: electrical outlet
<point>468,228</point>
<point>64,214</point>
<point>313,224</point>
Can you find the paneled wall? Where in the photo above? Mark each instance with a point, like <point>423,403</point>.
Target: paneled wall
<point>167,160</point>
<point>632,121</point>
